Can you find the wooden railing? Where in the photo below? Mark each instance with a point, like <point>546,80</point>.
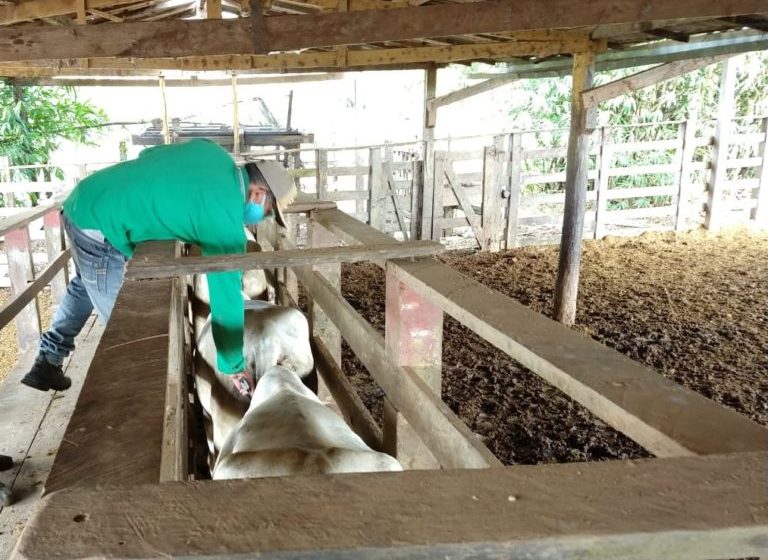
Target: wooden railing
<point>23,307</point>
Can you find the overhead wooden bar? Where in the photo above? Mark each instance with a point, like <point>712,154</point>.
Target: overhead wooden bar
<point>153,267</point>
<point>641,80</point>
<point>24,217</point>
<point>115,434</point>
<point>694,508</point>
<point>660,415</point>
<point>175,38</point>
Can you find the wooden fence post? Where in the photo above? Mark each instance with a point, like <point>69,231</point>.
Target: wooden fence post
<point>492,185</point>
<point>321,174</point>
<point>376,207</point>
<point>54,244</point>
<point>577,172</point>
<point>414,337</point>
<point>761,211</point>
<point>688,149</point>
<point>417,198</point>
<point>5,177</point>
<point>603,182</point>
<point>21,272</point>
<point>515,188</point>
<point>438,211</point>
<point>428,169</point>
<point>716,205</point>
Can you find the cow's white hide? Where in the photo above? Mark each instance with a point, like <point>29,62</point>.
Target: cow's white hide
<point>288,431</point>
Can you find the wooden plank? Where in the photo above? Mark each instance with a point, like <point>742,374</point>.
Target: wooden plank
<point>344,394</point>
<point>417,196</point>
<point>109,444</point>
<point>413,336</point>
<point>642,170</point>
<point>660,415</point>
<point>470,91</point>
<point>175,444</point>
<point>391,188</point>
<point>493,184</point>
<point>603,183</point>
<point>24,217</point>
<point>761,209</point>
<point>692,508</point>
<point>321,174</point>
<point>596,95</point>
<point>645,146</point>
<point>642,192</point>
<point>725,110</point>
<point>582,119</point>
<point>23,11</point>
<point>686,168</point>
<point>376,200</point>
<point>441,163</point>
<point>20,300</point>
<point>515,189</point>
<point>464,203</point>
<point>38,421</point>
<point>156,267</point>
<point>446,436</point>
<point>55,244</point>
<point>21,271</point>
<point>428,137</point>
<point>299,206</point>
<point>337,196</point>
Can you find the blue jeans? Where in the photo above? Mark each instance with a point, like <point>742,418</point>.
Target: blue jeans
<point>99,270</point>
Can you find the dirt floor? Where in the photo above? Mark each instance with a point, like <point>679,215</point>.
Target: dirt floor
<point>692,306</point>
<point>8,347</point>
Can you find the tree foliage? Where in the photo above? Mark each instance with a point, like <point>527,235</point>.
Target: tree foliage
<point>35,120</point>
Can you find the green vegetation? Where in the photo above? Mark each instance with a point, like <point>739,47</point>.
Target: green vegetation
<point>35,120</point>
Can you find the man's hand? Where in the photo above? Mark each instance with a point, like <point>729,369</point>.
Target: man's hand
<point>243,382</point>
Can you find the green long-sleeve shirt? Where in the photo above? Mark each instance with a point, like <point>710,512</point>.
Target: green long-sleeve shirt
<point>190,192</point>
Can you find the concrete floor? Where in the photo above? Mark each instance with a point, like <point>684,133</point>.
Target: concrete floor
<point>32,425</point>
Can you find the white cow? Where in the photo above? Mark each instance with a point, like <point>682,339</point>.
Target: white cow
<point>254,284</point>
<point>288,431</point>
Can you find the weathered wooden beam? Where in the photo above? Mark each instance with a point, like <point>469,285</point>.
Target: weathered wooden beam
<point>694,508</point>
<point>24,217</point>
<point>287,33</point>
<point>577,169</point>
<point>628,84</point>
<point>105,15</point>
<point>661,415</point>
<point>11,308</point>
<point>362,58</point>
<point>110,444</point>
<point>154,267</point>
<point>470,91</point>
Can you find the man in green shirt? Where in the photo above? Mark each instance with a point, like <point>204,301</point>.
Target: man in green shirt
<point>192,192</point>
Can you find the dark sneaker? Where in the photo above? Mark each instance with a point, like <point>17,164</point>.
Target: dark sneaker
<point>44,375</point>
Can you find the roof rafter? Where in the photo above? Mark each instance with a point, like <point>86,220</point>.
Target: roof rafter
<point>287,33</point>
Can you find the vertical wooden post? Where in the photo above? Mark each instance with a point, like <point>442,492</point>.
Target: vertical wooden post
<point>235,117</point>
<point>321,173</point>
<point>761,211</point>
<point>492,185</point>
<point>54,244</point>
<point>213,9</point>
<point>687,148</point>
<point>582,125</point>
<point>515,188</point>
<point>321,326</point>
<point>359,184</point>
<point>414,338</point>
<point>603,182</point>
<point>376,206</point>
<point>287,290</point>
<point>717,207</point>
<point>438,184</point>
<point>166,128</point>
<point>21,272</point>
<point>430,119</point>
<point>417,197</point>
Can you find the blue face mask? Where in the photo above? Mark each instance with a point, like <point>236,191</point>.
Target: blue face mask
<point>253,213</point>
